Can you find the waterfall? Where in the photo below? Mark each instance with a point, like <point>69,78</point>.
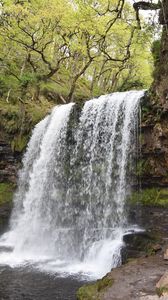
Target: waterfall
<point>69,211</point>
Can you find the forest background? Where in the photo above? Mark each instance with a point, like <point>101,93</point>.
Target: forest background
<point>59,51</point>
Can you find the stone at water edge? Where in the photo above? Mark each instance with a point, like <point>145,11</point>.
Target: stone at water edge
<point>166,255</point>
<point>153,297</point>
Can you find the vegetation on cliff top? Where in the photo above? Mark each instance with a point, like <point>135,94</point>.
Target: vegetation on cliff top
<point>18,119</point>
<point>56,51</point>
<point>64,50</point>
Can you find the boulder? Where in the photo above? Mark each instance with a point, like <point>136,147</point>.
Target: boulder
<point>162,285</point>
<point>166,255</point>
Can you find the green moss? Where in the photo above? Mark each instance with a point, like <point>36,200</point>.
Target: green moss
<point>88,292</point>
<point>104,283</point>
<point>93,291</point>
<point>162,290</point>
<point>19,143</point>
<point>150,197</point>
<point>6,192</point>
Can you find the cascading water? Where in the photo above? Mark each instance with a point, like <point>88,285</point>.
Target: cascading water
<point>69,213</point>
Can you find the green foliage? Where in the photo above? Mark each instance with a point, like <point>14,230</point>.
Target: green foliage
<point>18,119</point>
<point>93,291</point>
<point>77,49</point>
<point>150,197</point>
<point>26,79</point>
<point>6,192</point>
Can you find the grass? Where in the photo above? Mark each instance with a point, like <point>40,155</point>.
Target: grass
<point>157,197</point>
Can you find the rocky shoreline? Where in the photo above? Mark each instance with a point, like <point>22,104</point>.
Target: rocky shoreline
<point>144,264</point>
<point>136,280</point>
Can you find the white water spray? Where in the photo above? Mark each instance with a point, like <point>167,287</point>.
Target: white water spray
<point>69,214</point>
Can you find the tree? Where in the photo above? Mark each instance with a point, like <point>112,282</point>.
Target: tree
<point>40,34</point>
<point>62,46</point>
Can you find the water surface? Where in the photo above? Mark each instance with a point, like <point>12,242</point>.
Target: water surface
<point>29,284</point>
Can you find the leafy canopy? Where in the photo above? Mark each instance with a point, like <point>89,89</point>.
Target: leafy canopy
<point>75,48</point>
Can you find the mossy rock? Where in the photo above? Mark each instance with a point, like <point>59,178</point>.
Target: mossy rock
<point>95,290</point>
<point>139,244</point>
<point>6,192</point>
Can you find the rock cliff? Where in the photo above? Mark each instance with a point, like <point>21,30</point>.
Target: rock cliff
<point>153,163</point>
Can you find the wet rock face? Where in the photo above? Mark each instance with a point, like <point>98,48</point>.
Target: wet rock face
<point>154,147</point>
<point>9,163</point>
<point>154,221</point>
<point>139,244</point>
<point>5,211</point>
<point>154,127</point>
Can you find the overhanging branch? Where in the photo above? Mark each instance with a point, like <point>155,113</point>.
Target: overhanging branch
<point>143,5</point>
